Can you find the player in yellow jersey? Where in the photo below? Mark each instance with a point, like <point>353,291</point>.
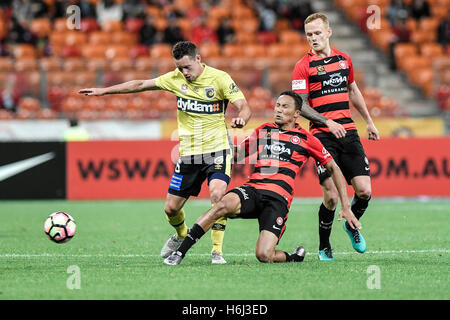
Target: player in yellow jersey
<point>202,95</point>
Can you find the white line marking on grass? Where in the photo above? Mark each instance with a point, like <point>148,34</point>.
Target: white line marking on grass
<point>41,255</point>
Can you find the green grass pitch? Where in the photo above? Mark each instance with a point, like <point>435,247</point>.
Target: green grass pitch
<point>117,245</point>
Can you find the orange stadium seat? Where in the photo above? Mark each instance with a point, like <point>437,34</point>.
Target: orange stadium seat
<point>440,11</point>
<point>381,38</point>
<point>100,37</point>
<point>423,77</point>
<point>255,50</point>
<point>6,65</point>
<point>30,104</point>
<point>243,37</point>
<point>112,26</point>
<point>93,51</point>
<point>95,64</point>
<point>117,51</point>
<point>58,38</point>
<point>161,23</point>
<point>412,24</point>
<point>50,64</point>
<point>282,25</point>
<point>290,37</point>
<point>26,65</point>
<point>124,38</point>
<point>242,13</point>
<point>429,24</point>
<point>60,25</point>
<point>209,50</point>
<point>280,81</point>
<point>24,51</point>
<point>420,36</point>
<point>75,38</point>
<point>233,50</point>
<point>402,50</point>
<point>153,11</point>
<point>74,64</point>
<point>161,50</point>
<point>6,115</point>
<point>46,114</point>
<point>139,51</point>
<point>88,25</point>
<point>432,50</point>
<point>41,26</point>
<point>59,79</point>
<point>122,64</point>
<point>145,64</point>
<point>219,13</point>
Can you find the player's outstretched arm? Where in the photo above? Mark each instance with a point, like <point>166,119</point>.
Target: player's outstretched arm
<point>125,87</point>
<point>339,181</point>
<point>312,115</point>
<point>357,99</point>
<point>244,114</point>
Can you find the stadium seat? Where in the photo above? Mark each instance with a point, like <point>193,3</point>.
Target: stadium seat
<point>117,51</point>
<point>100,38</point>
<point>429,24</point>
<point>69,52</point>
<point>139,51</point>
<point>161,23</point>
<point>60,25</point>
<point>233,50</point>
<point>29,103</point>
<point>243,37</point>
<point>50,64</point>
<point>6,65</point>
<point>161,50</point>
<point>255,50</point>
<point>42,27</point>
<point>145,64</point>
<point>381,38</point>
<point>242,13</point>
<point>153,11</point>
<point>75,38</point>
<point>122,64</point>
<point>6,115</point>
<point>133,25</point>
<point>124,38</point>
<point>209,50</point>
<point>290,37</point>
<point>93,51</point>
<point>58,38</point>
<point>420,36</point>
<point>431,50</point>
<point>423,78</point>
<point>402,50</point>
<point>26,65</point>
<point>412,63</point>
<point>21,51</point>
<point>112,26</point>
<point>88,25</point>
<point>74,64</point>
<point>280,81</point>
<point>46,114</point>
<point>96,64</point>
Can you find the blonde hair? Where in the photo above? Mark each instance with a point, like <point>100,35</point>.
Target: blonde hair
<point>315,16</point>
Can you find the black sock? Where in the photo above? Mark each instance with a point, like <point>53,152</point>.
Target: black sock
<point>293,257</point>
<point>192,237</point>
<point>359,206</point>
<point>326,218</point>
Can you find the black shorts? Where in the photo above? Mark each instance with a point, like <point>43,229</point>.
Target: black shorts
<point>191,171</point>
<point>348,153</point>
<point>271,212</point>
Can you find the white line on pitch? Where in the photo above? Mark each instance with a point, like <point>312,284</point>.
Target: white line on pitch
<point>15,255</point>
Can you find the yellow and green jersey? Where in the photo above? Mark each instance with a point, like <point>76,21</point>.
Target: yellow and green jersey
<point>201,109</point>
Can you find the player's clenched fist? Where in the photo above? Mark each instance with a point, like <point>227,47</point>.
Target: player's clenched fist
<point>92,91</point>
<point>237,123</point>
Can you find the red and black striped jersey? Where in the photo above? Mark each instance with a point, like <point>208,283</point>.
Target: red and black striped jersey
<point>326,81</point>
<point>279,155</point>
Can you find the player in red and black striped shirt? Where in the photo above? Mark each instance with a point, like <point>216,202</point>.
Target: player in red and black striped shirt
<point>281,149</point>
<point>324,78</point>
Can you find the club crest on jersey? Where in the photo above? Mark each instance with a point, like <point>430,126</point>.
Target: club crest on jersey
<point>210,92</point>
<point>343,64</point>
<point>279,221</point>
<point>320,70</point>
<point>295,139</point>
<point>184,88</point>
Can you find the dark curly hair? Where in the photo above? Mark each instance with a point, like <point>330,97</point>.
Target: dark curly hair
<point>298,100</point>
<point>184,48</point>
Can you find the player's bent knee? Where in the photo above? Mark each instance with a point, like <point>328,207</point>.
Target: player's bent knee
<point>171,209</point>
<point>264,255</point>
<point>365,193</point>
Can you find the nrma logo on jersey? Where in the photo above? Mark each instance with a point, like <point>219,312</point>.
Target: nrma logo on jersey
<point>335,80</point>
<point>196,106</point>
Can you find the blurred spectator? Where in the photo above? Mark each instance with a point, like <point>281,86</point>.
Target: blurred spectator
<point>148,34</point>
<point>266,12</point>
<point>297,12</point>
<point>397,9</point>
<point>27,10</point>
<point>133,9</point>
<point>225,32</point>
<point>172,33</point>
<point>419,9</point>
<point>4,48</point>
<point>108,10</point>
<point>400,34</point>
<point>10,96</point>
<point>202,33</point>
<point>443,36</point>
<point>87,9</point>
<point>20,33</point>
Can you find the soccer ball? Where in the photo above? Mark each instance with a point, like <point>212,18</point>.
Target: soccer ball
<point>59,227</point>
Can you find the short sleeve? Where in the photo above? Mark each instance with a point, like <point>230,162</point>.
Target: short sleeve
<point>165,81</point>
<point>231,91</point>
<point>318,151</point>
<point>300,78</point>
